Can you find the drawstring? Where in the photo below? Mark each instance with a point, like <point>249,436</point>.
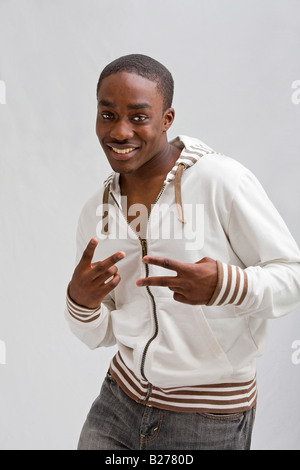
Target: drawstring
<point>178,199</point>
<point>105,206</point>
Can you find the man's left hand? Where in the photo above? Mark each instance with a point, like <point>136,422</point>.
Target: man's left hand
<point>194,283</point>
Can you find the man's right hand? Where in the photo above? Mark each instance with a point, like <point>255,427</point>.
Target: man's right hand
<point>89,285</point>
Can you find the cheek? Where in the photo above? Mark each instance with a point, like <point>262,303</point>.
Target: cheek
<point>100,129</point>
<point>156,136</point>
<point>154,132</point>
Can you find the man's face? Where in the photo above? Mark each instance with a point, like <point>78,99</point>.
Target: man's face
<point>131,125</point>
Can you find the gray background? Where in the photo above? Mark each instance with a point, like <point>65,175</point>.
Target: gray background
<point>234,63</point>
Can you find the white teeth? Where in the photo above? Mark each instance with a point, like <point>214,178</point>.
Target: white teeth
<point>122,151</point>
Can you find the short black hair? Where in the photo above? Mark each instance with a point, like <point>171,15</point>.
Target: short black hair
<point>146,67</point>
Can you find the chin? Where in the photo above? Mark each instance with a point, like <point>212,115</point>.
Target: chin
<point>122,167</point>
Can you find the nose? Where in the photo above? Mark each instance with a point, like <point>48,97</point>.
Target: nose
<point>121,130</point>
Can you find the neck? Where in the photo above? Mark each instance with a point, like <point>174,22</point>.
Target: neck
<point>155,169</point>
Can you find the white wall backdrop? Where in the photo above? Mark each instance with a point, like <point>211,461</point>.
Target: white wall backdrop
<point>234,64</point>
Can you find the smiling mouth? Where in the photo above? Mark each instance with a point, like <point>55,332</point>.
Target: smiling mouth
<point>123,151</point>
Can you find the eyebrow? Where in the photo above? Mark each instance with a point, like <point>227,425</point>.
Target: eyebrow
<point>139,106</point>
<point>109,104</point>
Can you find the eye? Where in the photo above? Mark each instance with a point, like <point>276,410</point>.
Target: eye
<point>106,116</point>
<point>139,118</point>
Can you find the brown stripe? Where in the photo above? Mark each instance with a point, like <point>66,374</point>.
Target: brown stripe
<point>125,389</point>
<point>245,385</point>
<point>228,287</point>
<point>81,308</point>
<point>119,358</point>
<point>183,391</point>
<point>82,315</point>
<point>77,309</point>
<point>245,290</point>
<point>105,195</point>
<point>219,283</point>
<point>184,160</point>
<point>105,212</point>
<point>204,400</point>
<point>88,320</point>
<point>191,158</point>
<point>178,198</point>
<point>198,149</point>
<point>109,179</point>
<point>237,285</point>
<point>128,379</point>
<point>220,385</point>
<point>192,397</point>
<point>176,405</point>
<point>78,314</point>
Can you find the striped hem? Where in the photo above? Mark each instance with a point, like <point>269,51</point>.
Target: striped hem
<point>83,314</point>
<point>215,398</point>
<point>232,286</point>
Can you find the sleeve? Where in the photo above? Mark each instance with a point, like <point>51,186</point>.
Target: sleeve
<point>92,327</point>
<point>267,284</point>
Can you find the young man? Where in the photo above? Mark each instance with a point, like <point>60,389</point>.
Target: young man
<point>182,259</point>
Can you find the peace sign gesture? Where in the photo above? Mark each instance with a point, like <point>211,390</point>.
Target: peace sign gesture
<point>194,283</point>
<point>91,282</point>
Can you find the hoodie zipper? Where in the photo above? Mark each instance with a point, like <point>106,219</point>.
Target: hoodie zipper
<point>154,311</point>
<point>144,246</point>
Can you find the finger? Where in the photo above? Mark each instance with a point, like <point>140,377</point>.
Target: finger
<point>88,253</point>
<point>101,277</point>
<point>111,284</point>
<point>163,281</point>
<point>164,262</point>
<point>102,266</point>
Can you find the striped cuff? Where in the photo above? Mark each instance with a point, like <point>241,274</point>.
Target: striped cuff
<point>83,314</point>
<point>232,285</point>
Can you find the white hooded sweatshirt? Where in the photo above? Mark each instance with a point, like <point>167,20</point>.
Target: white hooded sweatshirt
<point>177,356</point>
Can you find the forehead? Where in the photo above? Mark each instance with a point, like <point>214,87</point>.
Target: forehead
<point>123,87</point>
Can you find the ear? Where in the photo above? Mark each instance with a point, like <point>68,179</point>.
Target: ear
<point>168,118</point>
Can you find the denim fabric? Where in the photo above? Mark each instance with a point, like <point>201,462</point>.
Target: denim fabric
<point>116,422</point>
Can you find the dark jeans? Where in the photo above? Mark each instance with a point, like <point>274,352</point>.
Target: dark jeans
<point>116,422</point>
